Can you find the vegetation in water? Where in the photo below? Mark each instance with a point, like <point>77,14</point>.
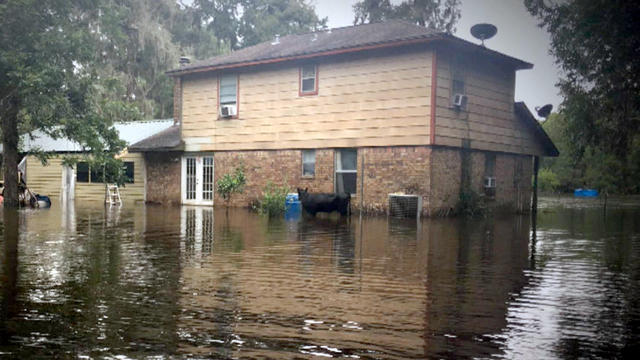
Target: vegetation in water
<point>272,202</point>
<point>470,203</point>
<point>231,183</point>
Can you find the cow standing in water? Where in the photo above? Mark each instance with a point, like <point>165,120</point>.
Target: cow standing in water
<point>324,202</point>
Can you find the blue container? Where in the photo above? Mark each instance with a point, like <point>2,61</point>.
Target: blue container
<point>585,193</point>
<point>292,207</point>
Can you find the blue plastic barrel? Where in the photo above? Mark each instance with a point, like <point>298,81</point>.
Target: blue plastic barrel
<point>292,207</point>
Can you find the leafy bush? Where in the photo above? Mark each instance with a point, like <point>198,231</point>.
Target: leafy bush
<point>230,184</point>
<point>470,203</point>
<point>548,181</point>
<point>273,199</point>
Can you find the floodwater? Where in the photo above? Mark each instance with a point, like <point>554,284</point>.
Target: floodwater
<point>156,282</point>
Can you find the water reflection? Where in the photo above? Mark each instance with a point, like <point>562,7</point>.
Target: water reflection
<point>198,282</point>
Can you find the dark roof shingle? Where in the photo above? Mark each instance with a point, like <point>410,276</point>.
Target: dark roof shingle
<point>522,112</point>
<point>166,140</point>
<point>322,42</point>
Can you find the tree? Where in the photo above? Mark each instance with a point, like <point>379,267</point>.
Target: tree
<point>596,44</point>
<point>230,184</point>
<point>47,81</point>
<point>435,14</point>
<point>241,23</point>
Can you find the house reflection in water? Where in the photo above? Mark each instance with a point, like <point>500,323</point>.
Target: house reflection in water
<point>325,286</point>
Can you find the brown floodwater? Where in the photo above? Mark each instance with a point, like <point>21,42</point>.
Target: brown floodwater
<point>192,282</point>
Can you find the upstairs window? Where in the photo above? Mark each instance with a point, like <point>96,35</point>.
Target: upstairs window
<point>308,80</point>
<point>308,163</point>
<point>228,96</point>
<point>458,95</point>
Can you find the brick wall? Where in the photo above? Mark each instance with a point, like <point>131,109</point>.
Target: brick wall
<point>390,170</point>
<point>433,173</point>
<point>512,172</point>
<point>163,177</point>
<point>281,167</point>
<point>446,167</point>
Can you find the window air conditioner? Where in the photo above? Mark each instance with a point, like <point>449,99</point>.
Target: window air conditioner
<point>459,100</point>
<point>489,182</point>
<point>227,110</point>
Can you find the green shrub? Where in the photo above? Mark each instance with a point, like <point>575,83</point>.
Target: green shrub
<point>273,199</point>
<point>470,203</point>
<point>548,181</point>
<point>230,184</point>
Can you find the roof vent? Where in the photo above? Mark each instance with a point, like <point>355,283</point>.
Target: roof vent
<point>315,37</point>
<point>184,61</point>
<point>276,41</point>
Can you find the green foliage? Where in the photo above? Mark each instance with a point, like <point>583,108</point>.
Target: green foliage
<point>596,43</point>
<point>230,184</point>
<point>433,14</point>
<point>273,199</point>
<point>470,203</point>
<point>241,23</point>
<point>548,181</point>
<point>582,165</point>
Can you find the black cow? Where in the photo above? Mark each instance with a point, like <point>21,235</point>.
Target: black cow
<point>324,202</point>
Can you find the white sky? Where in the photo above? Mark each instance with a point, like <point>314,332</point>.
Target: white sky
<point>518,36</point>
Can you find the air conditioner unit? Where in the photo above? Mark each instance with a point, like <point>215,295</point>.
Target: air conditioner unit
<point>405,206</point>
<point>459,100</point>
<point>489,182</point>
<point>228,110</point>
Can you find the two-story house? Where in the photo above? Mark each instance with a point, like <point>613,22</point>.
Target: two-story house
<point>371,109</point>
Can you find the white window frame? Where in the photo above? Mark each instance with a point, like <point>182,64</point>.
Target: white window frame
<point>314,91</point>
<point>234,103</point>
<point>339,170</point>
<point>313,152</point>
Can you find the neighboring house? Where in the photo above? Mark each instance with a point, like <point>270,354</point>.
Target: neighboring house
<point>81,182</point>
<point>371,109</point>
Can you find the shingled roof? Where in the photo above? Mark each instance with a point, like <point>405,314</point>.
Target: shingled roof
<point>166,140</point>
<point>522,111</point>
<point>336,41</point>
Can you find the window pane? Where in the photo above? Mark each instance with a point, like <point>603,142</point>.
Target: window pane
<point>82,172</point>
<point>346,182</point>
<point>489,164</point>
<point>308,169</point>
<point>309,71</point>
<point>347,159</point>
<point>309,85</point>
<point>129,171</point>
<point>228,92</point>
<point>458,86</point>
<point>308,162</point>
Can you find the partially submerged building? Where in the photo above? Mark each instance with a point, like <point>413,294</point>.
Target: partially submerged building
<point>58,180</point>
<point>371,109</point>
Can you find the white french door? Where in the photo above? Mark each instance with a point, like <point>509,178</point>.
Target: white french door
<point>197,179</point>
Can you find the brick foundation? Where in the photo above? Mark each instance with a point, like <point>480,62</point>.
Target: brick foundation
<point>434,173</point>
<point>163,177</point>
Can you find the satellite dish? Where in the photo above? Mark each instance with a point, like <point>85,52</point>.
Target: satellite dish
<point>483,31</point>
<point>544,111</point>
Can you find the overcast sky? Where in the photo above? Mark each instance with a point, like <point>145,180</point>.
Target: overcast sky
<point>518,36</point>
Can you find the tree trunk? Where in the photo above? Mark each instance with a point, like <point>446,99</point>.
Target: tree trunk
<point>10,154</point>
